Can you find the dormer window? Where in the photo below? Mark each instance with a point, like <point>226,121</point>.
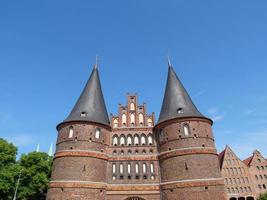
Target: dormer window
<point>83,114</point>
<point>180,111</point>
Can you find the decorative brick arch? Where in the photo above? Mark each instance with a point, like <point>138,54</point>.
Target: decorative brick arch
<point>134,198</point>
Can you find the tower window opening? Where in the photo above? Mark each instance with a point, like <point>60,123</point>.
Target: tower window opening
<point>180,111</point>
<point>97,133</point>
<point>186,129</point>
<point>71,132</point>
<point>83,114</point>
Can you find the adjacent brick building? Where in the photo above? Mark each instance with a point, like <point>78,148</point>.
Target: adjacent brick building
<point>130,157</point>
<point>244,180</point>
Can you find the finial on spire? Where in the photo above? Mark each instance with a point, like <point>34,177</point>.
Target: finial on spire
<point>96,61</point>
<point>169,61</point>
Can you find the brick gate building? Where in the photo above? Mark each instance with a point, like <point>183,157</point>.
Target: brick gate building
<point>130,157</point>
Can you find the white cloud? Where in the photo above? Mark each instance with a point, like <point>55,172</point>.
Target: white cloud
<point>213,110</point>
<point>217,118</point>
<point>215,114</point>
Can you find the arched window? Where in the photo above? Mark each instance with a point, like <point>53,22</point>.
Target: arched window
<point>121,168</point>
<point>123,119</point>
<point>136,140</point>
<point>186,129</point>
<point>115,140</point>
<point>129,168</point>
<point>141,118</point>
<point>122,140</point>
<point>143,140</point>
<point>152,168</point>
<point>113,168</point>
<point>71,132</point>
<point>136,168</point>
<point>144,167</point>
<point>132,119</point>
<point>115,123</point>
<point>129,140</point>
<point>149,122</point>
<point>132,106</point>
<point>150,140</point>
<point>97,133</point>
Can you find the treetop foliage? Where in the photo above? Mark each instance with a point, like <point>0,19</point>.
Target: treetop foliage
<point>34,169</point>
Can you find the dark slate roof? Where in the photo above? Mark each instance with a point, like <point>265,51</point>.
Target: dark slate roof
<point>91,103</point>
<point>175,98</point>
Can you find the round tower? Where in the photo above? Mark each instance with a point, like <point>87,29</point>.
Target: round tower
<point>80,161</point>
<point>187,155</point>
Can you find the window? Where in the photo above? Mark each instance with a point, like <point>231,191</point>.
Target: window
<point>152,168</point>
<point>115,123</point>
<point>123,119</point>
<point>150,140</point>
<point>186,129</point>
<point>129,168</point>
<point>129,140</point>
<point>136,168</point>
<point>122,140</point>
<point>132,106</point>
<point>121,168</point>
<point>97,133</point>
<point>143,140</point>
<point>144,168</point>
<point>256,177</point>
<point>141,118</point>
<point>71,132</point>
<point>83,114</point>
<point>136,140</point>
<point>180,111</point>
<point>115,140</point>
<point>149,122</point>
<point>264,186</point>
<point>132,119</point>
<point>113,168</point>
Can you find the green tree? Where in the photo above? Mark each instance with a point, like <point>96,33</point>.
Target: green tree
<point>35,169</point>
<point>8,153</point>
<point>263,196</point>
<point>35,176</point>
<point>9,170</point>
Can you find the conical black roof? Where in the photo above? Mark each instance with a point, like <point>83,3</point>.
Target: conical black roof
<point>90,105</point>
<point>176,103</point>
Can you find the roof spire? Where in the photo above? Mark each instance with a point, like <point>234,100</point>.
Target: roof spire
<point>169,61</point>
<point>91,105</point>
<point>176,103</point>
<point>96,61</point>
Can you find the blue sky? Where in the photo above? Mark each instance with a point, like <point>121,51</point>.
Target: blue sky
<point>218,49</point>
